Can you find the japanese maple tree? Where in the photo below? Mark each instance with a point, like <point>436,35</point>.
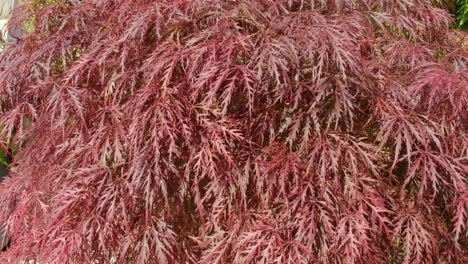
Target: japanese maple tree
<point>259,131</point>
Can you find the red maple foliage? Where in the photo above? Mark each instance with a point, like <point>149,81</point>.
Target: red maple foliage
<point>209,131</point>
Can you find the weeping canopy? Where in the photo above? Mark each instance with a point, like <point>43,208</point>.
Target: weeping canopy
<point>255,131</point>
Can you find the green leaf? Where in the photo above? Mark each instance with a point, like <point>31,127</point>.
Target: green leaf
<point>3,157</point>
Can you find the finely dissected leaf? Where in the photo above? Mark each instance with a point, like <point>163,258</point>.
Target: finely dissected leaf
<point>289,131</point>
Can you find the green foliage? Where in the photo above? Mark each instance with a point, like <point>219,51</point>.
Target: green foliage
<point>462,14</point>
<point>3,157</point>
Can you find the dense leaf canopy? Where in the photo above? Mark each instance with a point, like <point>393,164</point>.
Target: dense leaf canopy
<point>209,131</point>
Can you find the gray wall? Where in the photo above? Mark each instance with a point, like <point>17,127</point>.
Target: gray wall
<point>6,6</point>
